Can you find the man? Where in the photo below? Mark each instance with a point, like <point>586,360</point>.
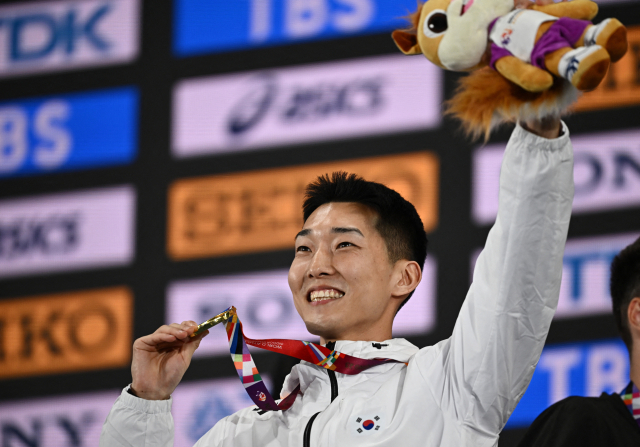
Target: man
<point>609,419</point>
<point>357,259</point>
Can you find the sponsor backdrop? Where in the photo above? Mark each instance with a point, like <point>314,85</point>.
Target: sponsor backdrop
<point>153,158</point>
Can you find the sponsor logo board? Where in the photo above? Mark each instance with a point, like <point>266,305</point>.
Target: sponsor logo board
<point>68,231</point>
<point>586,265</point>
<point>320,102</point>
<point>586,272</point>
<point>261,210</point>
<point>203,26</point>
<point>73,331</point>
<point>58,421</point>
<point>198,406</point>
<point>577,369</point>
<point>606,174</point>
<point>266,308</point>
<point>61,35</point>
<point>621,87</point>
<point>68,132</point>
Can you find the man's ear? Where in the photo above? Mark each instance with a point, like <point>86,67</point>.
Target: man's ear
<point>408,277</point>
<point>406,42</point>
<point>633,314</point>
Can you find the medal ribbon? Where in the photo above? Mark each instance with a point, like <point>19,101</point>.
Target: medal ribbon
<point>631,398</point>
<point>303,350</point>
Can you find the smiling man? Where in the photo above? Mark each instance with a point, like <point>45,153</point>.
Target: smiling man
<point>358,258</point>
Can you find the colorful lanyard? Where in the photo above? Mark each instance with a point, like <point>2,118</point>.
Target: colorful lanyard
<point>631,398</point>
<point>303,350</point>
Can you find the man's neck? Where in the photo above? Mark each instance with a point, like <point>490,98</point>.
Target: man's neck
<point>634,373</point>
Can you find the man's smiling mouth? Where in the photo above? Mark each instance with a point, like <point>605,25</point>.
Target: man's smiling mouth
<point>324,295</point>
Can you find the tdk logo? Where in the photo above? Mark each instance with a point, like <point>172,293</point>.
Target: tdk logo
<point>42,36</point>
<point>62,33</point>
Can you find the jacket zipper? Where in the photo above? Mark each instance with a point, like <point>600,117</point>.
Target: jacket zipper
<point>332,375</point>
<point>306,442</point>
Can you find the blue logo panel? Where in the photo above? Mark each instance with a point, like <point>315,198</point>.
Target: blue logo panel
<point>68,132</point>
<point>577,369</point>
<point>205,26</point>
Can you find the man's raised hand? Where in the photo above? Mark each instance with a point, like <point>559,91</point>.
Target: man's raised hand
<point>161,359</point>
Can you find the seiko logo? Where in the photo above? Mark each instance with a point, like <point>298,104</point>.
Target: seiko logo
<point>302,103</point>
<point>255,211</point>
<point>56,234</point>
<point>62,332</point>
<point>65,332</point>
<point>36,36</point>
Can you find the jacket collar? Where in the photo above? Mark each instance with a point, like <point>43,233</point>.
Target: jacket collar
<point>397,349</point>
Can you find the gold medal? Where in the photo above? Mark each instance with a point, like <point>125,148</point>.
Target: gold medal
<point>224,316</point>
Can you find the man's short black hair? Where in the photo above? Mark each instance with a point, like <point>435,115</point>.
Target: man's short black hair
<point>625,285</point>
<point>397,220</point>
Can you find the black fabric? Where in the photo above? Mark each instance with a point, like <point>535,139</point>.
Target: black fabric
<point>585,422</point>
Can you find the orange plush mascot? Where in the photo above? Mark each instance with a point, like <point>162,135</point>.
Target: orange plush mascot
<point>538,57</point>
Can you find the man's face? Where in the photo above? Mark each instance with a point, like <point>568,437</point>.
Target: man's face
<point>341,276</point>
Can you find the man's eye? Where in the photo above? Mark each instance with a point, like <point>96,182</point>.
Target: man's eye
<point>302,248</point>
<point>344,244</point>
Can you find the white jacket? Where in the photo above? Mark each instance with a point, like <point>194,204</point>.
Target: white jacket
<point>459,392</point>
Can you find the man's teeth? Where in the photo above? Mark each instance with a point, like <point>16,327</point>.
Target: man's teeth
<point>321,295</point>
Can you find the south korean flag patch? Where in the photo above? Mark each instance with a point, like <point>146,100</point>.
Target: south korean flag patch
<point>367,424</point>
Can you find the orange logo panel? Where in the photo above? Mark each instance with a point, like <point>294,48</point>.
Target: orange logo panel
<point>65,332</point>
<point>262,210</point>
<point>621,87</point>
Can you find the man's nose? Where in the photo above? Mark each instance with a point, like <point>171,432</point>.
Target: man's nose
<point>321,263</point>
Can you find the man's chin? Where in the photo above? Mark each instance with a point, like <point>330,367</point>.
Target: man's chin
<point>322,330</point>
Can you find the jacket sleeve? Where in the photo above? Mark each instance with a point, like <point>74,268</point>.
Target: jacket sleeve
<point>135,422</point>
<point>480,373</point>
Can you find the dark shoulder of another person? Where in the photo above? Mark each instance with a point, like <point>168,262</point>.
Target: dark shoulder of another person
<point>584,421</point>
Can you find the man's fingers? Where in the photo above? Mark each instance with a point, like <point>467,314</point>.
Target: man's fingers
<point>195,342</point>
<point>169,335</point>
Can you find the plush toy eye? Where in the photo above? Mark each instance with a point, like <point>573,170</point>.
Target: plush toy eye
<point>435,23</point>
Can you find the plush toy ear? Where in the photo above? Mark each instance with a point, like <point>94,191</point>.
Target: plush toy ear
<point>406,42</point>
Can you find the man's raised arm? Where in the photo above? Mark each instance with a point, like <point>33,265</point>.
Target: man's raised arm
<point>486,365</point>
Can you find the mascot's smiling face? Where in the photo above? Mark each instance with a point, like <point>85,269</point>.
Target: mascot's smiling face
<point>452,34</point>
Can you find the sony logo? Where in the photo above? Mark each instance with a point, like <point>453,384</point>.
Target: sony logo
<point>49,430</point>
<point>606,174</point>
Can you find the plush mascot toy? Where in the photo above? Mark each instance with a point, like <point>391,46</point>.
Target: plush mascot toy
<point>538,57</point>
